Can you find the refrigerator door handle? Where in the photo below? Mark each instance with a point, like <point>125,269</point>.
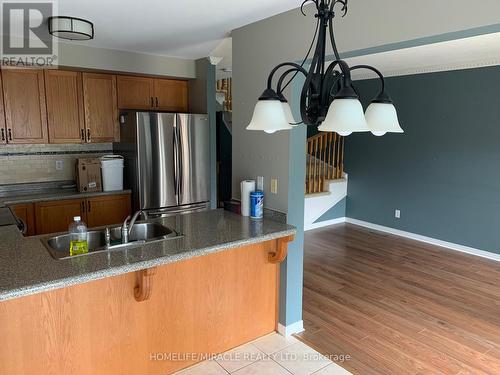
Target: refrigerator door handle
<point>181,161</point>
<point>176,163</point>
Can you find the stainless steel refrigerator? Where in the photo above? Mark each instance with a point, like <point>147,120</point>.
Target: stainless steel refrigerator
<point>167,160</point>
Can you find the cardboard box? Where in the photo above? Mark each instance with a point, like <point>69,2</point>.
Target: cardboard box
<point>88,175</point>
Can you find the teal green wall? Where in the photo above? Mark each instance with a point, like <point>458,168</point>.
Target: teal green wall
<point>444,172</point>
<point>336,212</point>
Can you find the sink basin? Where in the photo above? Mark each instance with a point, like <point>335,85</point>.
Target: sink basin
<point>141,233</point>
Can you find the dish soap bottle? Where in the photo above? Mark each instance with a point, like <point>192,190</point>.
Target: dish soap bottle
<point>78,237</point>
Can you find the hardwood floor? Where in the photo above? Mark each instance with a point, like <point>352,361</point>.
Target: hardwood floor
<point>398,306</point>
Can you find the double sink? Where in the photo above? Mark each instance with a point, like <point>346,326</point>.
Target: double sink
<point>141,233</point>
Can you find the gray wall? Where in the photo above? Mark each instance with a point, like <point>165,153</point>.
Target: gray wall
<point>82,56</point>
<point>444,172</point>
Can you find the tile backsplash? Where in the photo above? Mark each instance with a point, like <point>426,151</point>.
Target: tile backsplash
<point>37,163</point>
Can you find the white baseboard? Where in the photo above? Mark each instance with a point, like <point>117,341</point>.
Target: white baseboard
<point>290,329</point>
<point>429,240</point>
<point>324,223</point>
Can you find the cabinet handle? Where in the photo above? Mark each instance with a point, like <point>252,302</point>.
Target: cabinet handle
<point>156,102</point>
<point>89,139</point>
<point>88,206</point>
<point>3,134</point>
<point>10,134</point>
<point>82,208</point>
<point>83,134</point>
<point>152,103</point>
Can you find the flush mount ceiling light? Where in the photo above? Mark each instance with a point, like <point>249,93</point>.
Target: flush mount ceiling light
<point>71,28</point>
<point>328,99</point>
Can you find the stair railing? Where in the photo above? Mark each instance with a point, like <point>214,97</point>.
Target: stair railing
<point>325,160</point>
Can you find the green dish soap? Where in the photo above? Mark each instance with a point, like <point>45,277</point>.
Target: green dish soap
<point>78,237</point>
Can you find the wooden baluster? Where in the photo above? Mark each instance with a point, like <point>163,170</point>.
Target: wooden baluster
<point>315,164</point>
<point>319,163</point>
<point>334,160</point>
<point>325,150</point>
<point>329,157</point>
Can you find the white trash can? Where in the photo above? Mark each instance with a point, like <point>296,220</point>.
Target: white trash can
<point>112,172</point>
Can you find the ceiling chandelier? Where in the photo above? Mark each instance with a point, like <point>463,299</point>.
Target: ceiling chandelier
<point>328,99</point>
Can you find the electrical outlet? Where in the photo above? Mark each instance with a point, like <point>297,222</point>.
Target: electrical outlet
<point>274,185</point>
<point>59,165</point>
<point>397,214</point>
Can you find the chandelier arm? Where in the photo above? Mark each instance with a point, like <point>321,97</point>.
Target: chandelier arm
<point>279,89</point>
<point>307,54</point>
<point>271,75</point>
<point>332,38</point>
<point>375,70</point>
<point>310,98</point>
<point>328,92</point>
<point>305,2</point>
<point>325,93</point>
<point>344,6</point>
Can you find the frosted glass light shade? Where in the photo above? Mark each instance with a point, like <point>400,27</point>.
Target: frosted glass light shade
<point>382,118</point>
<point>269,116</point>
<point>288,113</point>
<point>345,116</point>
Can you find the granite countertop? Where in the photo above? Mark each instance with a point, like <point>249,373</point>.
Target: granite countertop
<point>26,266</point>
<point>51,195</point>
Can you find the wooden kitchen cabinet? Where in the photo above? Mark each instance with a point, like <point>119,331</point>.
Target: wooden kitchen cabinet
<point>107,210</point>
<point>152,94</point>
<point>56,216</point>
<point>3,130</point>
<point>26,213</point>
<point>100,104</point>
<point>64,106</point>
<point>135,92</point>
<point>171,95</point>
<point>24,100</point>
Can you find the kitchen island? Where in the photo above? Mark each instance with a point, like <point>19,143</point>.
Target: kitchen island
<point>153,309</point>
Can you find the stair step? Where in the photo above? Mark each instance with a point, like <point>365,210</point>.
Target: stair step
<point>318,194</point>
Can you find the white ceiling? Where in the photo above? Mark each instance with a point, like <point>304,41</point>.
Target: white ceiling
<point>472,52</point>
<point>181,28</point>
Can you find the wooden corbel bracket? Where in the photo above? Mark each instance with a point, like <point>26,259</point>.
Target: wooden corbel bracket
<point>144,284</point>
<point>281,250</point>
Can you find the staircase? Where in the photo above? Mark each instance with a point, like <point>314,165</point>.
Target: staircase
<point>326,182</point>
<point>325,161</point>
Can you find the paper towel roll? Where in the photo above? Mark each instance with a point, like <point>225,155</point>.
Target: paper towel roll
<point>247,186</point>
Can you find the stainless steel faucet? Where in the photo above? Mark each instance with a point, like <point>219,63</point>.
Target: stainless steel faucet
<point>127,227</point>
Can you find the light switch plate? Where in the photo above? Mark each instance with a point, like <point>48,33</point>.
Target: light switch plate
<point>397,214</point>
<point>59,165</point>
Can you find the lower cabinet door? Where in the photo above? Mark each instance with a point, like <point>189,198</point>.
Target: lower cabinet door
<point>107,210</point>
<point>26,214</point>
<point>56,216</point>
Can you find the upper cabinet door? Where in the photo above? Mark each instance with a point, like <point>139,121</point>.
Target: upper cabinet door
<point>171,95</point>
<point>24,98</point>
<point>3,131</point>
<point>64,106</point>
<point>101,112</point>
<point>135,92</point>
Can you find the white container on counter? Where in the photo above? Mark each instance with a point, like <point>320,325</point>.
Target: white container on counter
<point>112,172</point>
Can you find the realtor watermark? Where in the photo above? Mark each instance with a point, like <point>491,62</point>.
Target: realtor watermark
<point>25,36</point>
<point>248,357</point>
